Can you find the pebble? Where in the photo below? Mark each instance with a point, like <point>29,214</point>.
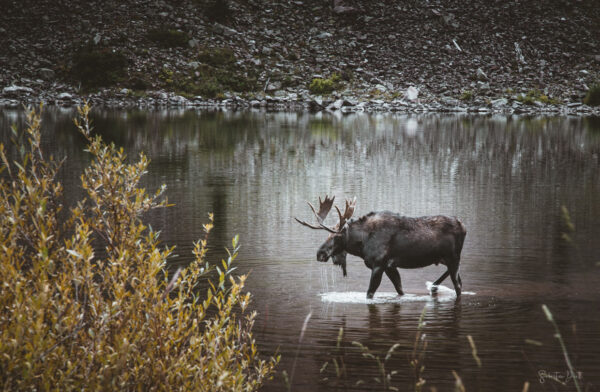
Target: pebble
<point>64,97</point>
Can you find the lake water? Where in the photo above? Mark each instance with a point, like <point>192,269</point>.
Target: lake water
<point>506,178</point>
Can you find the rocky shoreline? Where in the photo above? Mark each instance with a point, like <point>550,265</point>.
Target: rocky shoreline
<point>475,56</point>
<point>18,96</point>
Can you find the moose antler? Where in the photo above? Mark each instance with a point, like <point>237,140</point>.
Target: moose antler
<point>324,208</point>
<point>350,207</point>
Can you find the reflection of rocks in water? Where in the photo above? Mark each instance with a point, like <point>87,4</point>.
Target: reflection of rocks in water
<point>592,124</point>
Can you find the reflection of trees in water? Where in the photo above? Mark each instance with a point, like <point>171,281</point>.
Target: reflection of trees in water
<point>509,170</point>
<point>164,132</point>
<point>219,237</point>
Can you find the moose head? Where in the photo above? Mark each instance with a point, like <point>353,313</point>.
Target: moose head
<point>335,244</point>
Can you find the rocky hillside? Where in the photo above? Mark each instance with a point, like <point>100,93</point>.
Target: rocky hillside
<point>446,49</point>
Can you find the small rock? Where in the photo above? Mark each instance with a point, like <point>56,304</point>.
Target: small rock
<point>194,64</point>
<point>499,103</point>
<point>97,38</point>
<point>381,88</point>
<point>481,75</point>
<point>178,100</point>
<point>275,85</point>
<point>226,31</point>
<point>411,93</point>
<point>193,43</point>
<point>316,104</point>
<point>336,105</point>
<point>324,35</point>
<point>64,97</point>
<point>266,50</point>
<point>450,101</point>
<point>597,58</point>
<point>46,73</point>
<point>483,86</point>
<point>229,32</point>
<point>340,8</point>
<point>125,91</point>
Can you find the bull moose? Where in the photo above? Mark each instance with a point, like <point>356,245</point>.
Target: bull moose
<point>387,241</point>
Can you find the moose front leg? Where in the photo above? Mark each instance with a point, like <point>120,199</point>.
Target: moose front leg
<point>394,276</point>
<point>376,274</point>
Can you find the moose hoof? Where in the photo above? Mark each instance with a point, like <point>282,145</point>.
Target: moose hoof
<point>370,295</point>
<point>434,289</point>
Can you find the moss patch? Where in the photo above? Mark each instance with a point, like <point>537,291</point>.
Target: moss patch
<point>467,95</point>
<point>217,74</point>
<point>217,57</point>
<point>325,86</point>
<point>534,96</point>
<point>168,38</point>
<point>99,67</point>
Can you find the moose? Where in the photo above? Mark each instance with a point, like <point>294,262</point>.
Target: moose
<point>386,241</point>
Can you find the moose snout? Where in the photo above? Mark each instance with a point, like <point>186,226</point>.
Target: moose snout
<point>322,256</point>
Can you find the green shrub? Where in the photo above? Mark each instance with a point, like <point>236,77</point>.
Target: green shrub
<point>76,319</point>
<point>467,95</point>
<point>592,97</point>
<point>325,86</point>
<point>102,67</point>
<point>217,73</point>
<point>217,57</point>
<point>168,38</point>
<point>534,96</point>
<point>138,82</point>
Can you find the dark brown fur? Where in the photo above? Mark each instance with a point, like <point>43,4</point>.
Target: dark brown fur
<point>387,241</point>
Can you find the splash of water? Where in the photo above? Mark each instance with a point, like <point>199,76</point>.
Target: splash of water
<point>358,297</point>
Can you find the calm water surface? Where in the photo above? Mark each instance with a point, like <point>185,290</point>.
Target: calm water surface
<point>505,177</point>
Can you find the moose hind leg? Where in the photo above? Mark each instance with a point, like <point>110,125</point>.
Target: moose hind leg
<point>376,274</point>
<point>455,279</point>
<point>394,276</point>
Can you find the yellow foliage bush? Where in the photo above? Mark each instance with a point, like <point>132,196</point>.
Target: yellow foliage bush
<point>86,301</point>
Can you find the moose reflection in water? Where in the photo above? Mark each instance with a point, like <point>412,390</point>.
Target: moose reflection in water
<point>387,241</point>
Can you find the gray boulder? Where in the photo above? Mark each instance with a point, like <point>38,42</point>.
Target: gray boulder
<point>16,90</point>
